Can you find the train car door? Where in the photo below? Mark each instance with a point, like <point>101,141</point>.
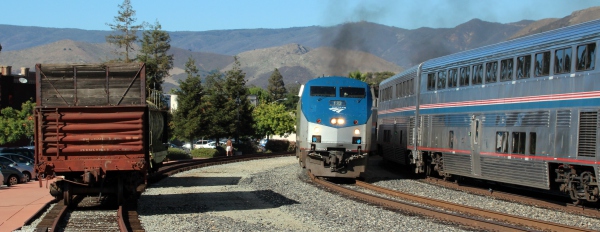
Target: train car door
<point>475,135</point>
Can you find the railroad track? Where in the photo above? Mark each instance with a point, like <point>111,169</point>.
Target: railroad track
<point>111,217</point>
<point>539,200</point>
<point>445,211</point>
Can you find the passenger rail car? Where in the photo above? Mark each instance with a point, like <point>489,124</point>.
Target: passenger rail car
<point>334,126</point>
<point>95,129</point>
<point>522,112</point>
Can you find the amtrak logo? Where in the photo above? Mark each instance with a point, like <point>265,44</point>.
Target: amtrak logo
<point>337,109</point>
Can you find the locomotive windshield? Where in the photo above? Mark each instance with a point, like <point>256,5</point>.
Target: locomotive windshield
<point>352,92</point>
<point>322,91</point>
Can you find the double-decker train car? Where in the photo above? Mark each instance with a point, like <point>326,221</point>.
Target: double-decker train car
<point>522,112</point>
<point>333,132</point>
<point>95,130</point>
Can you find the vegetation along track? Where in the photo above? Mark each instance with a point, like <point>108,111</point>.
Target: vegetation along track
<point>445,211</point>
<point>83,216</point>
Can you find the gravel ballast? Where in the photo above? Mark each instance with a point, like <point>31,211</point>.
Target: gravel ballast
<point>263,195</point>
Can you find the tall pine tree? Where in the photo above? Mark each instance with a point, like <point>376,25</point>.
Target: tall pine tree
<point>238,106</point>
<point>155,45</point>
<point>276,86</point>
<point>218,118</point>
<point>189,120</point>
<point>126,30</point>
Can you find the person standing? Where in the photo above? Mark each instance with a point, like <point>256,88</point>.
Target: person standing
<point>229,148</point>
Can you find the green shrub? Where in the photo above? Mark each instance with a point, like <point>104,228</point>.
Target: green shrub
<point>274,145</point>
<point>205,153</point>
<point>245,146</point>
<point>292,146</point>
<point>177,154</point>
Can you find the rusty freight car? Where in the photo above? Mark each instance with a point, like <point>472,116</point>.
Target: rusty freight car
<point>95,130</point>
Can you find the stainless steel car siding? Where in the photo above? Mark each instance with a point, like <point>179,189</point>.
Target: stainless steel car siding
<point>524,172</point>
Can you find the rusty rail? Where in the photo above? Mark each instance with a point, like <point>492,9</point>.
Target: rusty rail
<point>477,222</point>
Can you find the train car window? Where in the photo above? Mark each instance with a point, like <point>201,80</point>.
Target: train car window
<point>477,74</point>
<point>518,142</point>
<point>532,142</point>
<point>506,70</point>
<point>322,91</point>
<point>452,78</point>
<point>441,81</point>
<point>430,81</point>
<point>523,66</point>
<point>491,72</point>
<point>502,141</point>
<point>465,75</point>
<point>451,139</point>
<point>562,60</point>
<point>542,64</point>
<point>586,57</point>
<point>352,92</point>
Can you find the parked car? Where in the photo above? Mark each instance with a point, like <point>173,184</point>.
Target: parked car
<point>263,142</point>
<point>25,151</point>
<point>12,176</point>
<point>187,146</point>
<point>203,144</point>
<point>24,165</point>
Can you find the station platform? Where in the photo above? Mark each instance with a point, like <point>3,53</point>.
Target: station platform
<point>18,203</point>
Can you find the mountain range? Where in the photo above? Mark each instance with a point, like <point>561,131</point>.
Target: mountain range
<point>300,53</point>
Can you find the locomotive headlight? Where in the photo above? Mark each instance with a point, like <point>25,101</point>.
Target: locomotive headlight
<point>334,121</point>
<point>341,121</point>
<point>317,130</point>
<point>356,131</point>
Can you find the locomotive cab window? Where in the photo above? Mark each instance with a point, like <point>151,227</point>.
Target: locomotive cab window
<point>322,91</point>
<point>562,60</point>
<point>352,92</point>
<point>586,57</point>
<point>542,64</point>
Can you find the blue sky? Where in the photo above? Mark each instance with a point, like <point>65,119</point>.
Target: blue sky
<point>204,15</point>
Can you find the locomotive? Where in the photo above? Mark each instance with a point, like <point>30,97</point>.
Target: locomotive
<point>523,112</point>
<point>95,130</point>
<point>333,131</point>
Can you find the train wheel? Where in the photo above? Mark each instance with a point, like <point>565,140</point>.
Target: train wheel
<point>120,197</point>
<point>67,193</point>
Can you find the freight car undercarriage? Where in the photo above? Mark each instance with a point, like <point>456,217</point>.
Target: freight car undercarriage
<point>119,184</point>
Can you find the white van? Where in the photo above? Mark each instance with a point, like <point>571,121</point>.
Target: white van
<point>203,144</point>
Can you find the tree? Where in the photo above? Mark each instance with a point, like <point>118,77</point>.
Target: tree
<point>17,124</point>
<point>261,94</point>
<point>155,45</point>
<point>238,104</point>
<point>272,119</point>
<point>189,120</point>
<point>276,86</point>
<point>358,75</point>
<point>375,78</point>
<point>217,117</point>
<point>126,29</point>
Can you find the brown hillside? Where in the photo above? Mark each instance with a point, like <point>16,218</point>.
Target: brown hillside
<point>576,17</point>
<point>299,64</point>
